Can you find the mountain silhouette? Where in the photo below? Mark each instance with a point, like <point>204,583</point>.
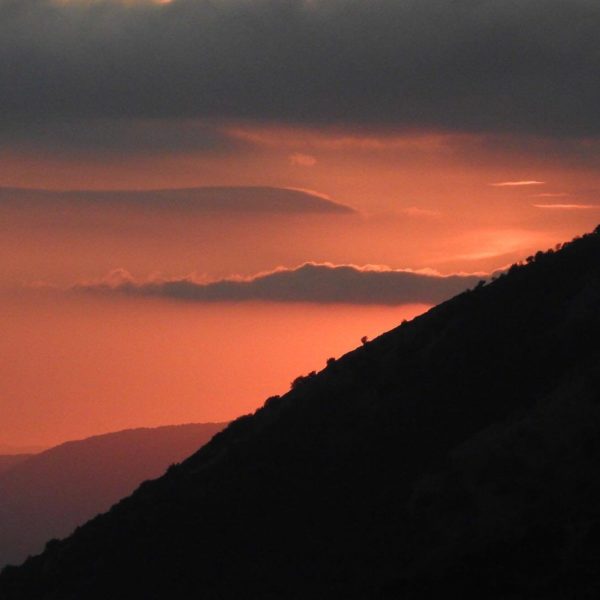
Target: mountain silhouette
<point>48,494</point>
<point>454,456</point>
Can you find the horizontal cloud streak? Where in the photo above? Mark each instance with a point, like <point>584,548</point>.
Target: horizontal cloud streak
<point>517,183</point>
<point>551,195</point>
<point>466,65</point>
<point>568,206</point>
<point>251,200</point>
<point>311,282</point>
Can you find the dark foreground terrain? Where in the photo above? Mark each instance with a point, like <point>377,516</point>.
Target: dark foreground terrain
<point>455,456</point>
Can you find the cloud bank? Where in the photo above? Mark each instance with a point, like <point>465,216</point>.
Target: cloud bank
<point>250,200</point>
<point>311,282</point>
<point>104,136</point>
<point>466,65</point>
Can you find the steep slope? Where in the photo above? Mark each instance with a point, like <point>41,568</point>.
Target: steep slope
<point>457,453</point>
<point>51,493</point>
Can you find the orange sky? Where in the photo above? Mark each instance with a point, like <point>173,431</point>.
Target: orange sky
<point>72,367</point>
<point>423,201</point>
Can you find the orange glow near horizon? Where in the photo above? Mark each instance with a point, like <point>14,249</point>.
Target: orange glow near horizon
<point>81,367</point>
<point>449,203</point>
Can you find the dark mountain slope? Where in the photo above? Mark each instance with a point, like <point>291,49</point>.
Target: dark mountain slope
<point>51,493</point>
<point>457,453</point>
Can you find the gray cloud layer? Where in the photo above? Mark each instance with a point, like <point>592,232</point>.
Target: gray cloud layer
<point>464,65</point>
<point>318,283</point>
<point>251,200</point>
<point>114,136</point>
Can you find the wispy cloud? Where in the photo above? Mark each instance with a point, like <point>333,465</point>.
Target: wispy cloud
<point>310,282</point>
<point>517,183</point>
<point>568,206</point>
<point>303,160</point>
<point>551,195</point>
<point>416,211</point>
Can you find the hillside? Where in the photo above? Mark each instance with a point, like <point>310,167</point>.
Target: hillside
<point>50,493</point>
<point>454,455</point>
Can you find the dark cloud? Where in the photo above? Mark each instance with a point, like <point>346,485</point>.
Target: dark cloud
<point>250,200</point>
<point>115,137</point>
<point>575,150</point>
<point>319,283</point>
<point>463,65</point>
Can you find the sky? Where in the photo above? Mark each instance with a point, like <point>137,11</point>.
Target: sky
<point>202,199</point>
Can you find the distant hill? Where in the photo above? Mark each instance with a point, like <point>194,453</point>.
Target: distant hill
<point>47,495</point>
<point>455,456</point>
<point>8,461</point>
<point>7,450</point>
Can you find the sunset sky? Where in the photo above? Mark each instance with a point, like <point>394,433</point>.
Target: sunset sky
<point>202,199</point>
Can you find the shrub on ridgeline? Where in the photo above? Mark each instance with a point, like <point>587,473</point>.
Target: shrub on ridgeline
<point>272,401</point>
<point>302,379</point>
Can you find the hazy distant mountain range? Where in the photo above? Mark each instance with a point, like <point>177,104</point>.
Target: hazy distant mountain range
<point>8,461</point>
<point>48,494</point>
<point>454,456</point>
<point>8,450</point>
